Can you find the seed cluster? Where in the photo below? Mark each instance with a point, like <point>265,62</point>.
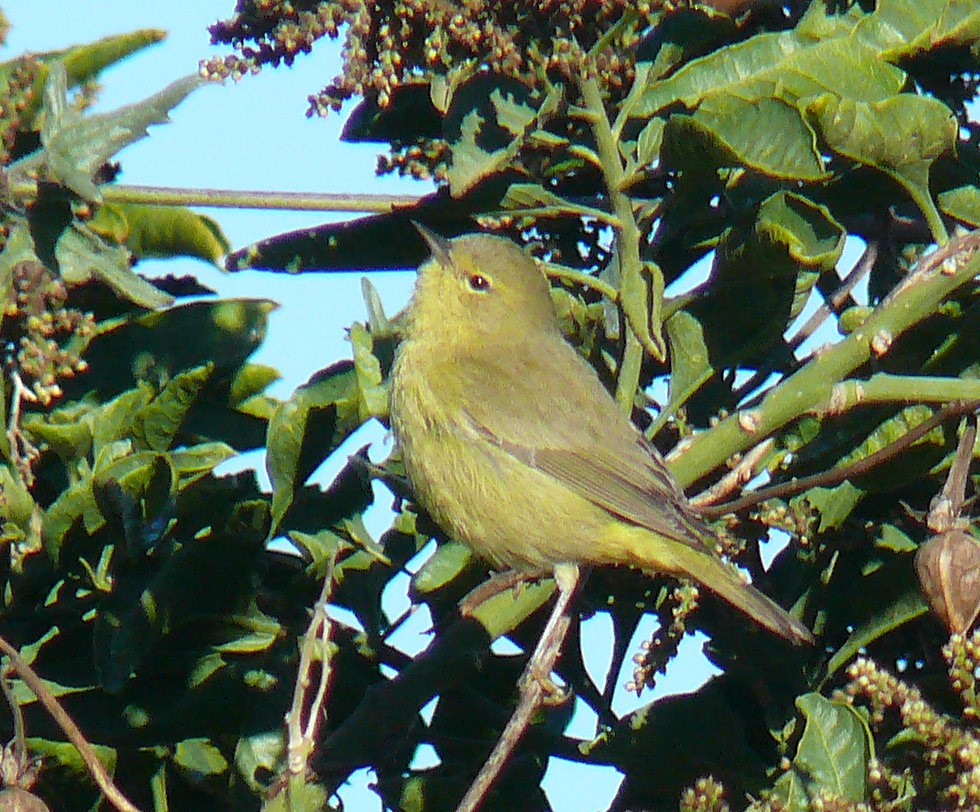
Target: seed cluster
<point>17,101</point>
<point>388,45</point>
<point>38,329</point>
<point>950,750</point>
<point>707,795</point>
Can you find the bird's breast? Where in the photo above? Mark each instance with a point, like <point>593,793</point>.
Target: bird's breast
<point>509,513</point>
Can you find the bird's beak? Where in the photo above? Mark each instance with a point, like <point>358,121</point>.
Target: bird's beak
<point>438,245</point>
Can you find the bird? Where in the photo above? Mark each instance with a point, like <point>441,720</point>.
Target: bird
<point>514,447</point>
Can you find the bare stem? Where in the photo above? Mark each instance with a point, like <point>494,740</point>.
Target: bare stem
<point>835,476</point>
<point>300,724</point>
<point>239,199</point>
<point>533,687</point>
<point>917,297</point>
<point>95,767</point>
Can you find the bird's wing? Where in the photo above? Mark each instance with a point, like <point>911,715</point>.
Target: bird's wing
<point>553,414</point>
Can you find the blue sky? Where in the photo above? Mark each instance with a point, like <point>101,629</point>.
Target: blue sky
<point>254,135</point>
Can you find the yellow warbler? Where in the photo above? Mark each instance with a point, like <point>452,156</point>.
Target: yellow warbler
<point>514,446</point>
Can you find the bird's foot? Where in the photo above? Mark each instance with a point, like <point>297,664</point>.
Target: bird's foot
<point>552,694</point>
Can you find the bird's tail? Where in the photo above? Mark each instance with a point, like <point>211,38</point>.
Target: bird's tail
<point>639,547</point>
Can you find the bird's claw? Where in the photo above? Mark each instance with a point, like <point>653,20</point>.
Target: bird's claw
<point>552,694</point>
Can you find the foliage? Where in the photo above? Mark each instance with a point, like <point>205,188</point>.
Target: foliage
<point>629,145</point>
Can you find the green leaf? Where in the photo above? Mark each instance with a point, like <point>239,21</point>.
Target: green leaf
<point>61,754</point>
<point>833,505</point>
<point>893,614</point>
<point>199,756</point>
<point>157,423</point>
<point>83,255</point>
<point>210,575</point>
<point>532,199</point>
<point>962,203</point>
<point>161,231</point>
<point>730,125</point>
<point>199,459</point>
<point>251,380</point>
<point>372,392</point>
<point>70,506</point>
<point>780,66</point>
<point>155,347</point>
<point>301,795</point>
<point>689,364</point>
<point>442,567</point>
<point>904,30</point>
<point>490,119</point>
<point>901,136</point>
<point>832,755</point>
<point>891,538</point>
<point>82,63</point>
<point>768,266</point>
<point>306,428</point>
<point>75,146</point>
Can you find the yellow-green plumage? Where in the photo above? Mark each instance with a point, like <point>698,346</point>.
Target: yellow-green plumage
<point>514,446</point>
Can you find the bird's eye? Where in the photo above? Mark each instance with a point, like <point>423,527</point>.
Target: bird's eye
<point>479,282</point>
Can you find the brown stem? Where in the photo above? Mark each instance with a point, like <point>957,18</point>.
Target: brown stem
<point>533,691</point>
<point>837,475</point>
<point>67,724</point>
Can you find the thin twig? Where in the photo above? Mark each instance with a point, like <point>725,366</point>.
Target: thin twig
<point>837,475</point>
<point>71,730</point>
<point>830,305</point>
<point>740,475</point>
<point>302,726</point>
<point>239,199</point>
<point>18,442</point>
<point>833,302</point>
<point>533,691</point>
<point>947,506</point>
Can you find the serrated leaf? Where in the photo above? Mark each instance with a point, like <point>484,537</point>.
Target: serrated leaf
<point>83,255</point>
<point>75,146</point>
